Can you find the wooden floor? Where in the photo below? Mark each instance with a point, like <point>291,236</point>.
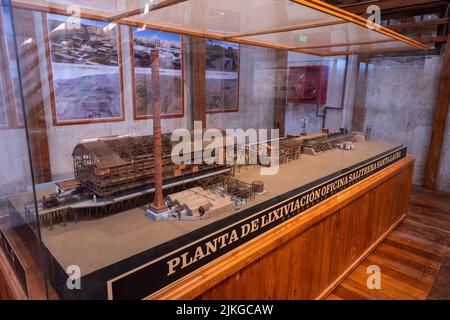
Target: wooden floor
<point>414,260</point>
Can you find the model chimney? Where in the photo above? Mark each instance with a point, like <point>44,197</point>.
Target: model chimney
<point>158,205</point>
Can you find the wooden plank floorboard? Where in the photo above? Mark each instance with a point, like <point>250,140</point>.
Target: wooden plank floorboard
<point>414,260</point>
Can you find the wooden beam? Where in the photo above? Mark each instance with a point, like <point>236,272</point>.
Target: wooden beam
<point>345,44</point>
<point>439,124</point>
<point>295,27</point>
<point>198,79</point>
<point>420,24</point>
<point>428,40</point>
<point>334,11</point>
<point>374,51</point>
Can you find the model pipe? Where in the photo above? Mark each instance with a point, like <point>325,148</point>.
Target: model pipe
<point>158,205</point>
<point>326,108</point>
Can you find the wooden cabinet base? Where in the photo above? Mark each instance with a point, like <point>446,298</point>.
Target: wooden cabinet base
<point>309,255</point>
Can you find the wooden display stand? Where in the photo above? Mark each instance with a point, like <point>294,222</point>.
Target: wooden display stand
<point>308,256</point>
<point>303,258</point>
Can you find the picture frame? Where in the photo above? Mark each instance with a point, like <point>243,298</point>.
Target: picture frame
<point>218,78</point>
<point>97,72</point>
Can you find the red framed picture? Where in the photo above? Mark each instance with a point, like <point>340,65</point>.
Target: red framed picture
<point>308,84</point>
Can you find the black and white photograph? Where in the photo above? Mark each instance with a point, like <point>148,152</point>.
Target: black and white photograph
<point>222,76</point>
<point>85,70</point>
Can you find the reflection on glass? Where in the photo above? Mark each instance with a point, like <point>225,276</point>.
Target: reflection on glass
<point>170,50</point>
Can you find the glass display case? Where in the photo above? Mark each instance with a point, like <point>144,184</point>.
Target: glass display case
<point>142,140</point>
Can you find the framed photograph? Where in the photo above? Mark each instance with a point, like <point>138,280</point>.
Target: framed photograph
<point>170,46</point>
<point>222,76</point>
<point>85,70</point>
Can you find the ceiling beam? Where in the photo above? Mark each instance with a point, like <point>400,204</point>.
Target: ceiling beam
<point>361,8</point>
<point>343,14</point>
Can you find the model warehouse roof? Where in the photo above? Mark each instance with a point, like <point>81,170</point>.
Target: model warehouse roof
<point>308,26</point>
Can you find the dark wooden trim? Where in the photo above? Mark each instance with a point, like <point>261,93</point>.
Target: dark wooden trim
<point>353,18</point>
<point>305,234</point>
<point>211,111</point>
<point>420,24</point>
<point>361,8</point>
<point>9,96</point>
<point>439,124</point>
<point>281,92</point>
<point>57,122</point>
<point>315,4</point>
<point>133,82</point>
<point>424,40</point>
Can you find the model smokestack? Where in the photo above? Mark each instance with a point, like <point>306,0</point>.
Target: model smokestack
<point>158,205</point>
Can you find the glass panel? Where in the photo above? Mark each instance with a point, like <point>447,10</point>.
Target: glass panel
<point>142,145</point>
<point>19,226</point>
<point>223,17</point>
<point>323,36</point>
<point>84,70</point>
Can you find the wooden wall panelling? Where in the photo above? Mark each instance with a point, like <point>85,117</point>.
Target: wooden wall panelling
<point>281,91</point>
<point>439,123</point>
<point>33,96</point>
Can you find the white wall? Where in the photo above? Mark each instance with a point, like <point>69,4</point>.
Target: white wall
<point>400,99</point>
<point>443,181</point>
<point>15,174</point>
